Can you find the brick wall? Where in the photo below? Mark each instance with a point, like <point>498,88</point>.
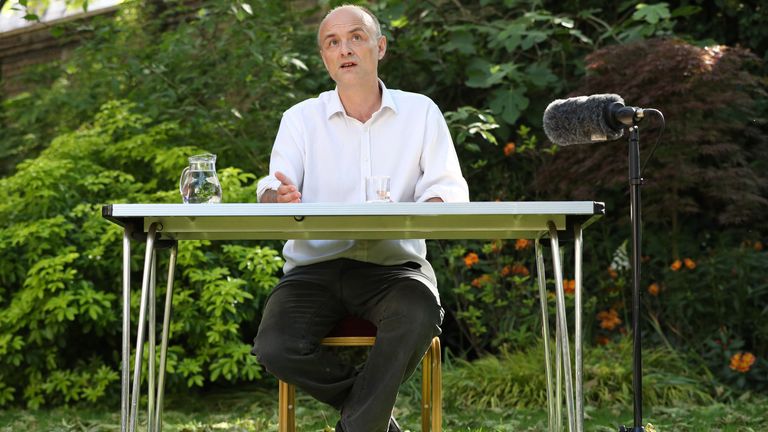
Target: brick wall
<point>34,45</point>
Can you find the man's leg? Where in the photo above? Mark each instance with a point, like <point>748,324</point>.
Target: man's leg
<point>407,316</point>
<point>299,312</point>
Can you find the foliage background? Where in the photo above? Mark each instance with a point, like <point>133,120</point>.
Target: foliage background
<point>116,121</point>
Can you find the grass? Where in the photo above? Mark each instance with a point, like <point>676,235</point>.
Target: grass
<point>254,409</point>
<point>493,394</point>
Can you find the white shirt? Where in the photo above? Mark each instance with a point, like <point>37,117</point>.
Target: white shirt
<point>328,155</point>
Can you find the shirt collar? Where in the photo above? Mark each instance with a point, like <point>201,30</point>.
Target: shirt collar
<point>334,105</point>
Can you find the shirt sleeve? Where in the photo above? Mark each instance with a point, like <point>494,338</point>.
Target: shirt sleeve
<point>441,172</point>
<point>287,155</point>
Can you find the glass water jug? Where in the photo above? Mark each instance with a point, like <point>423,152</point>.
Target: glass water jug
<point>198,182</point>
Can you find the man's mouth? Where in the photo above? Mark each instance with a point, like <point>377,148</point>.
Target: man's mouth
<point>348,65</point>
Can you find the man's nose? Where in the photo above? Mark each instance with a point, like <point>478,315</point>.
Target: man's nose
<point>346,48</point>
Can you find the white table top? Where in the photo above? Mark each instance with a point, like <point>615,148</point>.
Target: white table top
<point>476,220</point>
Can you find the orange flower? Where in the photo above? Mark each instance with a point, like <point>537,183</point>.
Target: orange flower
<point>742,361</point>
<point>520,269</point>
<point>471,259</point>
<point>609,319</point>
<point>509,148</point>
<point>676,265</point>
<point>496,246</point>
<point>522,244</point>
<point>689,263</point>
<point>569,286</point>
<point>602,340</point>
<point>612,273</point>
<point>482,280</point>
<point>653,289</point>
<point>758,246</point>
<point>506,270</point>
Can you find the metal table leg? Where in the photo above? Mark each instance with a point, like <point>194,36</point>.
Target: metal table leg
<point>545,333</point>
<point>563,366</point>
<point>563,322</point>
<point>558,374</point>
<point>142,320</point>
<point>129,413</point>
<point>152,358</point>
<point>577,248</point>
<point>126,352</point>
<point>158,422</point>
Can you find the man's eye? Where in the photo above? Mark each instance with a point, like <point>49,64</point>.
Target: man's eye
<point>333,43</point>
<point>356,37</point>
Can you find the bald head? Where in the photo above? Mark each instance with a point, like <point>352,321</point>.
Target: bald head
<point>367,17</point>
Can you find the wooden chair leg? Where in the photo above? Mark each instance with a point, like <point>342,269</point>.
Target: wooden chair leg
<point>426,390</point>
<point>286,420</point>
<point>437,387</point>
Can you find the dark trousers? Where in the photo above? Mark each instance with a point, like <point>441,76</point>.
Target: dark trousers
<point>310,300</point>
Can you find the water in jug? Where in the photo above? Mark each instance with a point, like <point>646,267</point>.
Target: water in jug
<point>198,182</point>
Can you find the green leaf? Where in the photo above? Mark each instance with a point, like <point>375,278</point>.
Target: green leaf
<point>482,74</point>
<point>510,36</point>
<point>473,147</point>
<point>195,380</point>
<point>532,37</point>
<point>540,75</point>
<point>509,104</point>
<point>651,14</point>
<point>461,41</point>
<point>684,11</point>
<point>580,36</point>
<point>399,22</point>
<point>299,64</point>
<point>565,22</point>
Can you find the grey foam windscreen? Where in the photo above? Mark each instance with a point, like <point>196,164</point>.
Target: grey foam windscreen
<point>581,120</point>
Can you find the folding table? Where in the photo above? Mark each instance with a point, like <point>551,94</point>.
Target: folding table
<point>163,225</point>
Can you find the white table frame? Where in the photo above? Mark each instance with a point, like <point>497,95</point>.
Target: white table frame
<point>163,225</point>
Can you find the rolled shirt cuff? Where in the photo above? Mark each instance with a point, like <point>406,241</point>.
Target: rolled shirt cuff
<point>265,184</point>
<point>447,194</point>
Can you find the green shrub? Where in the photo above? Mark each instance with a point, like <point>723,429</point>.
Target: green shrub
<point>61,274</point>
<point>517,379</point>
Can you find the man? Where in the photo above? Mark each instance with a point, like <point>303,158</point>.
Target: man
<point>324,150</point>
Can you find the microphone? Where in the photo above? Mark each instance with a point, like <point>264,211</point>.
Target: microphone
<point>588,119</point>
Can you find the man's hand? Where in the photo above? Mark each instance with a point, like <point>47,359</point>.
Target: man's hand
<point>287,192</point>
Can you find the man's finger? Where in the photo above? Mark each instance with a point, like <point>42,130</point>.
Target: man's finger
<point>283,178</point>
<point>291,197</point>
<point>284,189</point>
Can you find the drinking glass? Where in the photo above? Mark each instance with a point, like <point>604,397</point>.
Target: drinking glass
<point>377,189</point>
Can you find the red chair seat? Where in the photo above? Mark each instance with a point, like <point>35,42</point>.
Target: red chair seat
<point>353,326</point>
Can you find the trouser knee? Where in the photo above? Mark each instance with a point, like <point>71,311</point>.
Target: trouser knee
<point>414,318</point>
<point>273,352</point>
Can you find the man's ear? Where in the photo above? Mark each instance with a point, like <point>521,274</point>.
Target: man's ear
<point>382,47</point>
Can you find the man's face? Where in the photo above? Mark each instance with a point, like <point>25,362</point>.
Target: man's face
<point>349,46</point>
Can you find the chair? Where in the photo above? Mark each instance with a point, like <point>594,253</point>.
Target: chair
<point>353,331</point>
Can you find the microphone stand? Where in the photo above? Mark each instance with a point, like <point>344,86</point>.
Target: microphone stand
<point>630,117</point>
<point>635,181</point>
